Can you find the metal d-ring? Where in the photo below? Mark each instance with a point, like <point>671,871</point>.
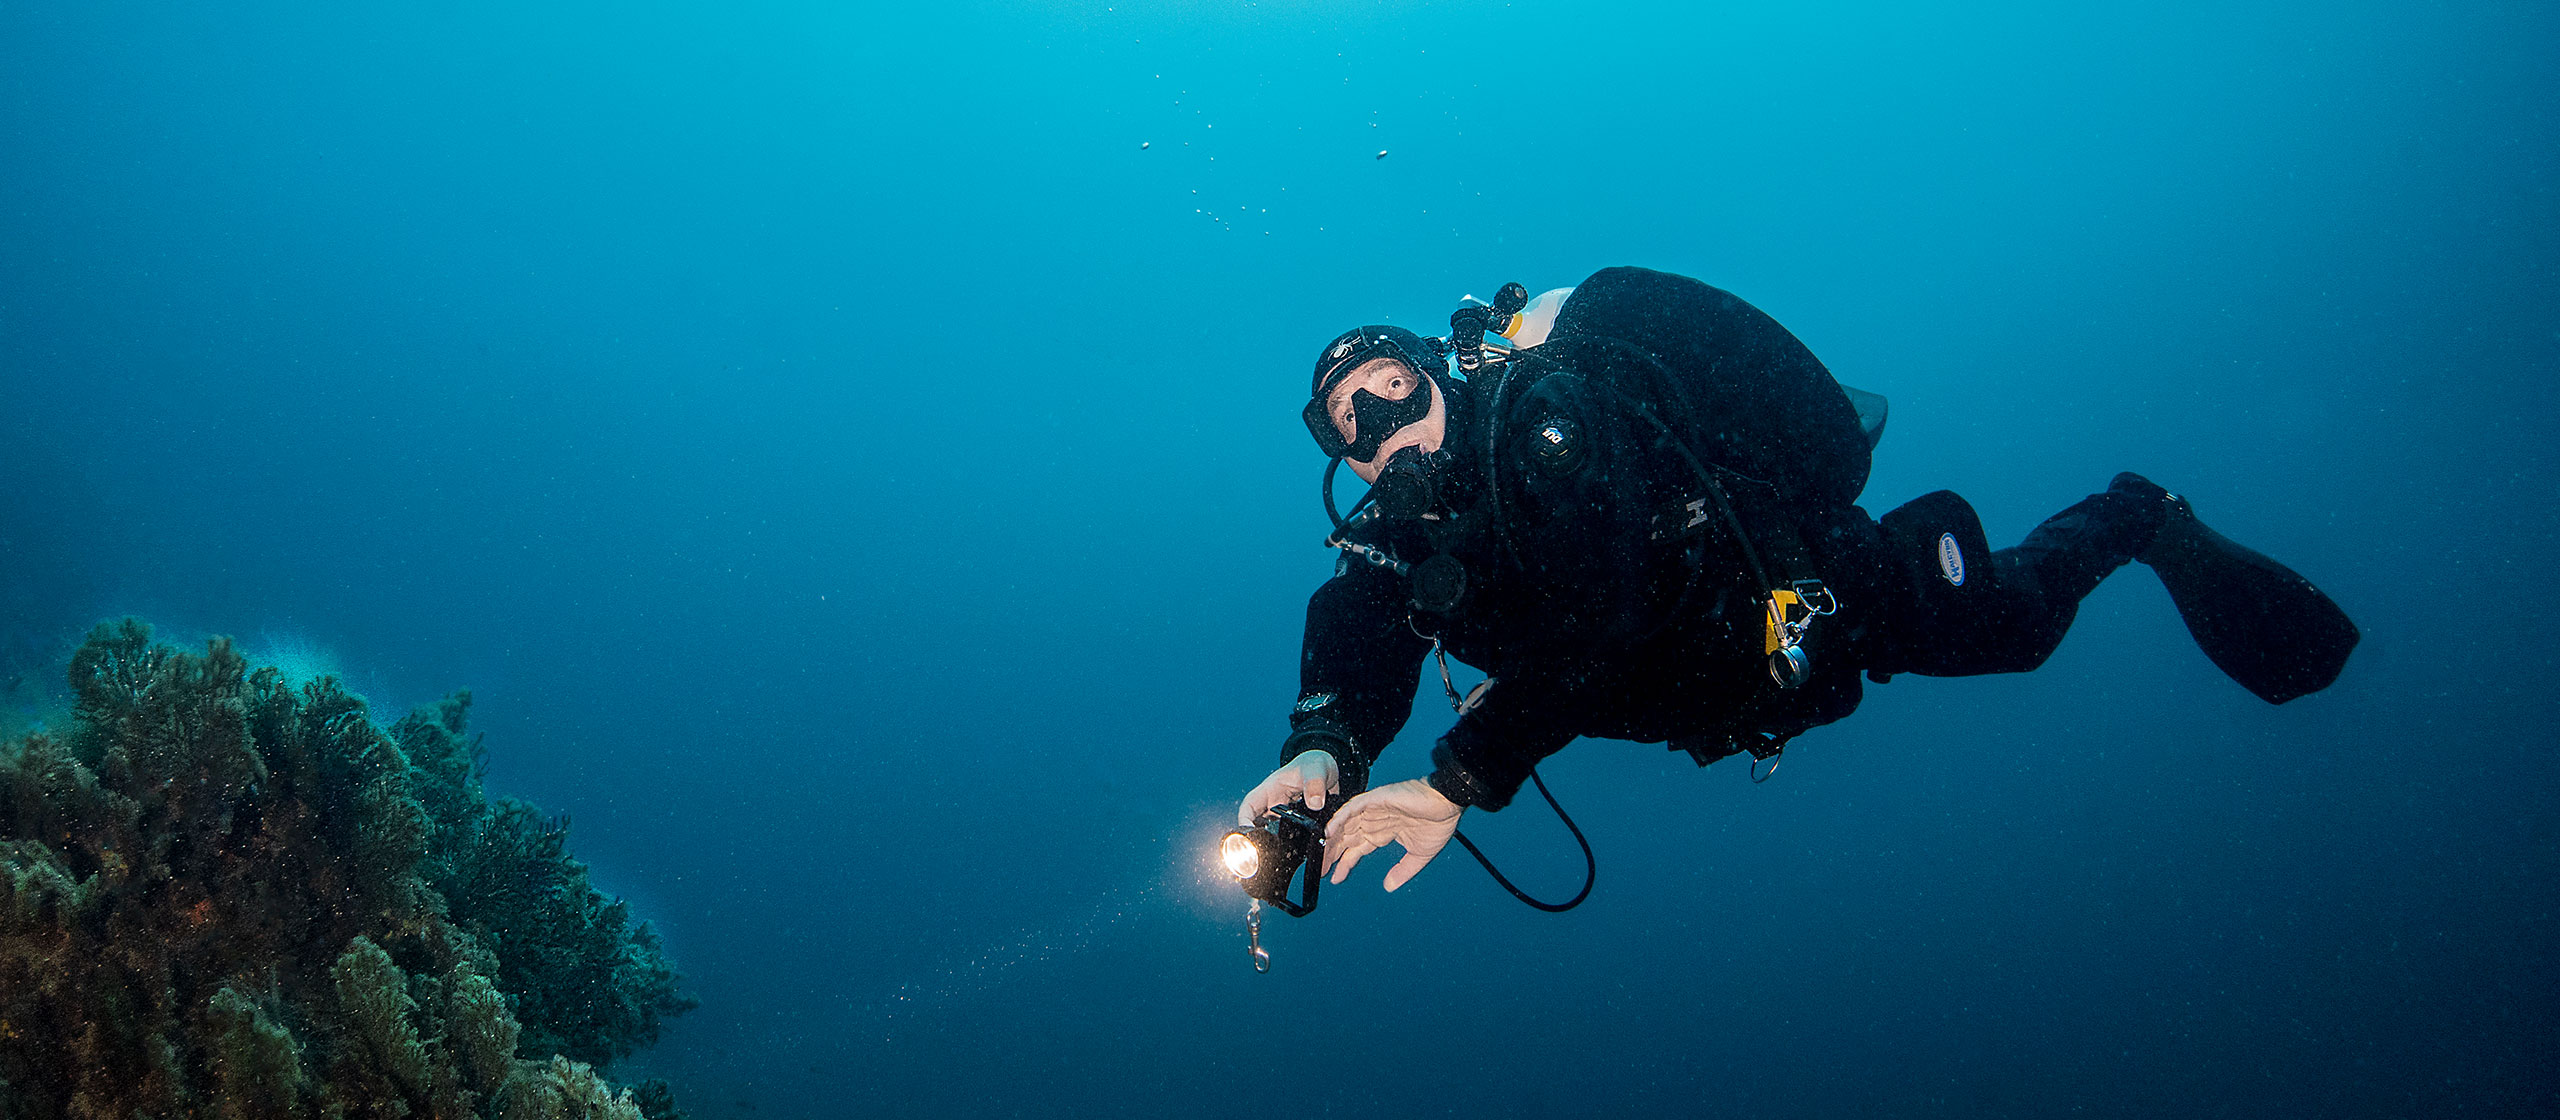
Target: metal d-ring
<point>1757,776</point>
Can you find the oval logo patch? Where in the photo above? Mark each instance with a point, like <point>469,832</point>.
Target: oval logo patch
<point>1950,559</point>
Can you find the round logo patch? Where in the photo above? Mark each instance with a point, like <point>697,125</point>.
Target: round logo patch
<point>1950,559</point>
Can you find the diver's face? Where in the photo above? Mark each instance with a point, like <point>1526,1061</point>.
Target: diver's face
<point>1392,380</point>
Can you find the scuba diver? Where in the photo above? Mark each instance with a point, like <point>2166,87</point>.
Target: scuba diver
<point>1631,504</point>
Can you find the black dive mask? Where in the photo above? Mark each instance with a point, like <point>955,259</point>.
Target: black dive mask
<point>1373,418</point>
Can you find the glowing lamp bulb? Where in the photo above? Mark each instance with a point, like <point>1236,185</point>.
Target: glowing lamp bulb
<point>1241,858</point>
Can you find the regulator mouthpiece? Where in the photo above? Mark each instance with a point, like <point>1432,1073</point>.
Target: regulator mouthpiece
<point>1407,485</point>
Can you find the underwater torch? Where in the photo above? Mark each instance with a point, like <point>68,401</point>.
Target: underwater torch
<point>1265,855</point>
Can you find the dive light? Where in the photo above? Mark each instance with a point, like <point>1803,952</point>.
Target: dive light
<point>1265,855</point>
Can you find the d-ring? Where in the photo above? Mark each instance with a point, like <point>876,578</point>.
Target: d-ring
<point>1757,776</point>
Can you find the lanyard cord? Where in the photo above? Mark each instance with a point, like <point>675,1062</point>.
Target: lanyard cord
<point>1590,864</point>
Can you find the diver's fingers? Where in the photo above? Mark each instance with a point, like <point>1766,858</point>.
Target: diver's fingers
<point>1255,802</point>
<point>1363,819</point>
<point>1365,824</point>
<point>1406,868</point>
<point>1354,813</point>
<point>1334,844</point>
<point>1280,786</point>
<point>1341,860</point>
<point>1319,777</point>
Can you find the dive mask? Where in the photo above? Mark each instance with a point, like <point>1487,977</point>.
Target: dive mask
<point>1373,417</point>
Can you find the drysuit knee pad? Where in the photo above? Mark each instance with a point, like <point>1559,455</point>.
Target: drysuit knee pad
<point>1950,616</point>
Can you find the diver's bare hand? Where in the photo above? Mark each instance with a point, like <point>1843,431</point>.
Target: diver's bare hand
<point>1312,776</point>
<point>1411,814</point>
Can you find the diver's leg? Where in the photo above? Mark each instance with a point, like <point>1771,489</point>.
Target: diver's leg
<point>1965,609</point>
<point>2263,625</point>
<point>2043,579</point>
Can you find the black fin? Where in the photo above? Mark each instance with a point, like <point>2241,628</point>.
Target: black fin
<point>2259,621</point>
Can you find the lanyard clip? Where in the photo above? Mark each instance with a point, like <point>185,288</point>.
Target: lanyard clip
<point>1792,610</point>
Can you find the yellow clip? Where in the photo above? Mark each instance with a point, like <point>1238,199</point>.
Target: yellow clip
<point>1775,637</point>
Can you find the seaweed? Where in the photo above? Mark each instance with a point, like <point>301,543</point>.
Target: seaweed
<point>222,894</point>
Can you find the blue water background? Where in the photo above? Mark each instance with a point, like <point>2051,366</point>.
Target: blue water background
<point>862,485</point>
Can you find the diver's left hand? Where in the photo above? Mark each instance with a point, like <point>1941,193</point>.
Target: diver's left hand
<point>1408,813</point>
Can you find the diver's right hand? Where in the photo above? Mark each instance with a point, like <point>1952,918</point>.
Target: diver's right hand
<point>1312,776</point>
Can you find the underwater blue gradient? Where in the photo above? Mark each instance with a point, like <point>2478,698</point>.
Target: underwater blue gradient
<point>863,486</point>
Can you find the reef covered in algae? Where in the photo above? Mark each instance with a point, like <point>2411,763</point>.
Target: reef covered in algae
<point>224,895</point>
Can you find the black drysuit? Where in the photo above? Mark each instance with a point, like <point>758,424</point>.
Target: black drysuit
<point>1616,506</point>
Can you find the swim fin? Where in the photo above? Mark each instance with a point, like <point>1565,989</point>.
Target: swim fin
<point>2259,621</point>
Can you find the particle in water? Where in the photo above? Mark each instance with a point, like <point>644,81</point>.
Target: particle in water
<point>1382,153</point>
